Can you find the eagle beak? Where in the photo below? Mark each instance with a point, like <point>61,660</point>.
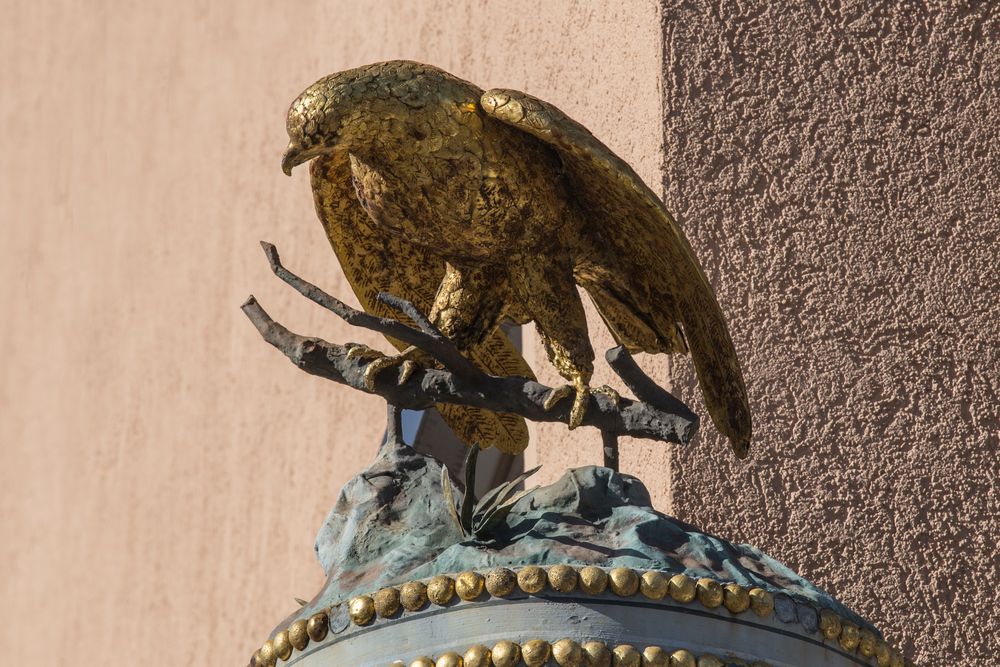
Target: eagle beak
<point>291,158</point>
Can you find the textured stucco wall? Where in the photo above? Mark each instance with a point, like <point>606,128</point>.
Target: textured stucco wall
<point>837,168</point>
<point>164,472</point>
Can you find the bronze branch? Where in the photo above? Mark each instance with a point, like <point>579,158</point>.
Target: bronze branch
<point>658,416</point>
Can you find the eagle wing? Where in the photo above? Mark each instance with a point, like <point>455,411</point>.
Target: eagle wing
<point>374,261</point>
<point>650,281</point>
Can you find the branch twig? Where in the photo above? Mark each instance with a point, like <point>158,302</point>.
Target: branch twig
<point>429,340</point>
<point>642,385</point>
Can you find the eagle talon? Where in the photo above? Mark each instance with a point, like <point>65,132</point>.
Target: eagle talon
<point>380,361</point>
<point>408,368</point>
<point>580,401</point>
<point>556,394</point>
<point>358,351</point>
<point>579,408</point>
<point>610,392</point>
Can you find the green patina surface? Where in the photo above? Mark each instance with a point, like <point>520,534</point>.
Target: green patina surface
<point>391,525</point>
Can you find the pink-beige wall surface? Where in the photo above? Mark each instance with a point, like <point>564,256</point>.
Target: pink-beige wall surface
<point>164,472</point>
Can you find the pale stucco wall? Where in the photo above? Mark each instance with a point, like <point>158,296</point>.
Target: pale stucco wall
<point>164,472</point>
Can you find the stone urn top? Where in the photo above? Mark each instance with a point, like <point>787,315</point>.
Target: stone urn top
<point>391,525</point>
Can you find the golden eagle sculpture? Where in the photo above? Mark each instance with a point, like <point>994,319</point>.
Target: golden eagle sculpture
<point>484,206</point>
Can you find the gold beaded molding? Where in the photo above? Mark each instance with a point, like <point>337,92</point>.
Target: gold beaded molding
<point>569,653</point>
<point>532,579</point>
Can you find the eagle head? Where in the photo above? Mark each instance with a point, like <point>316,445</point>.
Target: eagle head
<point>316,122</point>
<point>349,108</point>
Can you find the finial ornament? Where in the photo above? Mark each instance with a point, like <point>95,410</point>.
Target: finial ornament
<point>452,211</point>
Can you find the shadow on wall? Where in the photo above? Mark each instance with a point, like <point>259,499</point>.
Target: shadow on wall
<point>837,168</point>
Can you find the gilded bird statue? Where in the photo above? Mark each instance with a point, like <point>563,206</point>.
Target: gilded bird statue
<point>484,206</point>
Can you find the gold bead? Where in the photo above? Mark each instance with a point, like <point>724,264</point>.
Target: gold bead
<point>654,656</point>
<point>896,659</point>
<point>501,582</point>
<point>654,585</point>
<point>440,589</point>
<point>593,580</point>
<point>682,588</point>
<point>297,634</point>
<point>422,661</point>
<point>361,609</point>
<point>829,624</point>
<point>709,660</point>
<point>267,655</point>
<point>282,647</point>
<point>624,581</point>
<point>255,659</point>
<point>625,655</point>
<point>849,636</point>
<point>866,643</point>
<point>413,595</point>
<point>568,653</point>
<point>397,663</point>
<point>882,654</point>
<point>477,656</point>
<point>762,602</point>
<point>531,579</point>
<point>562,578</point>
<point>317,626</point>
<point>597,654</point>
<point>682,658</point>
<point>736,598</point>
<point>449,659</point>
<point>387,602</point>
<point>506,654</point>
<point>469,585</point>
<point>536,652</point>
<point>709,592</point>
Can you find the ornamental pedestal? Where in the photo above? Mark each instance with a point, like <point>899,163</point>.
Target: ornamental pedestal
<point>583,572</point>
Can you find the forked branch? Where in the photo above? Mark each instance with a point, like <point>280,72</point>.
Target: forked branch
<point>659,417</point>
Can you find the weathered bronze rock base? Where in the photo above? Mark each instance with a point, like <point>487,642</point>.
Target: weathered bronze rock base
<point>586,559</point>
